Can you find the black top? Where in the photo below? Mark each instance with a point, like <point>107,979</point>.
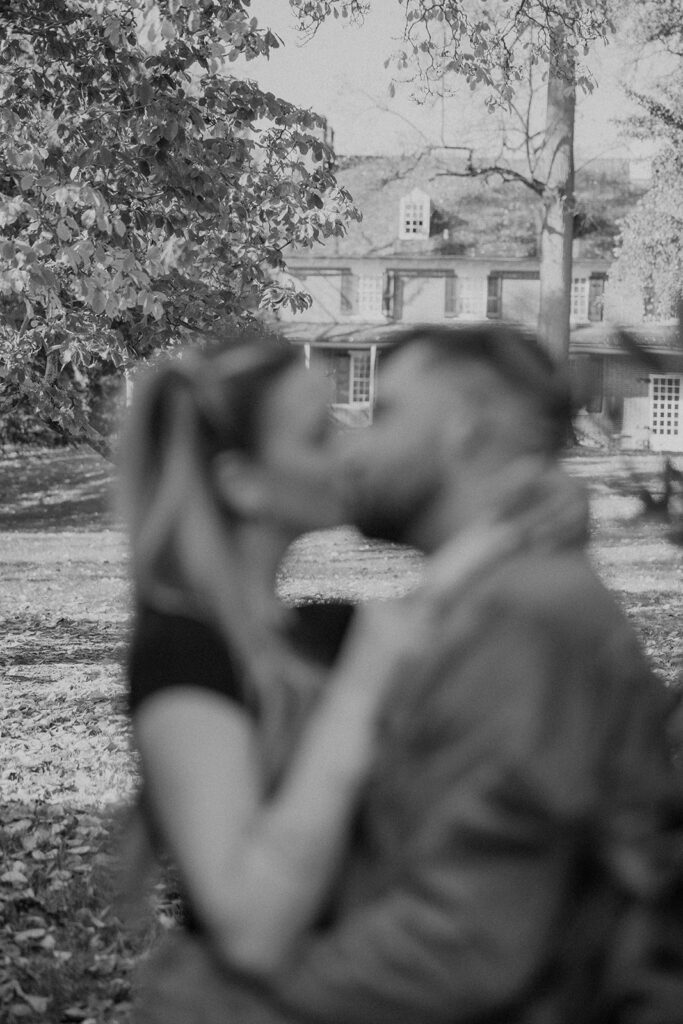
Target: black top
<point>174,650</point>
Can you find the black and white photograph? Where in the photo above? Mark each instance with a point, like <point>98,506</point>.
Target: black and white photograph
<point>341,512</point>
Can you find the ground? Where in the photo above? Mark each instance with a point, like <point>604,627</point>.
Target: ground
<point>66,768</point>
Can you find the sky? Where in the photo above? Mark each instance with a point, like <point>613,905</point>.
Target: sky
<point>340,73</point>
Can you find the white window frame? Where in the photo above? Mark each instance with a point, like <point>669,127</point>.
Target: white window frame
<point>360,377</point>
<point>370,296</point>
<point>579,299</point>
<point>666,412</point>
<point>414,215</point>
<point>469,297</point>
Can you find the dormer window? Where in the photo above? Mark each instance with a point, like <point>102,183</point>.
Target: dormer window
<point>414,215</point>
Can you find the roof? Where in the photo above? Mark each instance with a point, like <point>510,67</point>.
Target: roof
<point>601,338</point>
<point>470,216</point>
<point>339,335</point>
<point>635,341</point>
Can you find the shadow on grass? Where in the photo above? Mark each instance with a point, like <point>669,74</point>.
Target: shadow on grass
<point>56,489</point>
<point>30,640</point>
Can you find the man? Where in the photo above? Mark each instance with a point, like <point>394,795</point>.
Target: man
<point>510,861</point>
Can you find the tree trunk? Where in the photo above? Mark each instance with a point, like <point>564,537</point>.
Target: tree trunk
<point>558,214</point>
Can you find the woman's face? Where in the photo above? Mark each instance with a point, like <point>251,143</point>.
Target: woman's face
<point>301,485</point>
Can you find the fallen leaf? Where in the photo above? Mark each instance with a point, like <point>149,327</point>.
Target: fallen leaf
<point>74,1013</point>
<point>19,1010</point>
<point>29,935</point>
<point>17,827</point>
<point>14,877</point>
<point>38,1004</point>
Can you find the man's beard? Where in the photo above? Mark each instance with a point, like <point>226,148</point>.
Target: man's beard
<point>397,523</point>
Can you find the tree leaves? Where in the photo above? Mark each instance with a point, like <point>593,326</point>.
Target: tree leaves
<point>59,940</point>
<point>112,149</point>
<point>647,275</point>
<point>486,44</point>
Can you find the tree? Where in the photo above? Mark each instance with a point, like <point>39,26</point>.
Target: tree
<point>496,45</point>
<point>648,272</point>
<point>647,276</point>
<point>146,195</point>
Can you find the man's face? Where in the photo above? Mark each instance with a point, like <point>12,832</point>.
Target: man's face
<point>302,485</point>
<point>391,471</point>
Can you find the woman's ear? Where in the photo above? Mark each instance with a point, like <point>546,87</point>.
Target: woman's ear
<point>240,484</point>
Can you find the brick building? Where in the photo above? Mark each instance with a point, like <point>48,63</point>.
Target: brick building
<point>434,246</point>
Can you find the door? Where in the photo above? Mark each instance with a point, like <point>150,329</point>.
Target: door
<point>666,429</point>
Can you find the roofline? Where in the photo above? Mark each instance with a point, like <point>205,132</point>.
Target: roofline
<point>347,335</point>
<point>340,335</point>
<point>604,350</point>
<point>341,261</point>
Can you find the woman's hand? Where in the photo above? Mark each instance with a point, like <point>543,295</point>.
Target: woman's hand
<point>386,641</point>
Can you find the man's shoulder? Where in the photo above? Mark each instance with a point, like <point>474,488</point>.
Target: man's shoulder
<point>559,589</point>
<point>537,647</point>
<point>540,612</point>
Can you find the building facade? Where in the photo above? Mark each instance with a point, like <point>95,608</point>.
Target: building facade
<point>433,253</point>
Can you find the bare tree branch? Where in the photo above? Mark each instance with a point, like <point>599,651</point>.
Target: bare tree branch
<point>472,170</point>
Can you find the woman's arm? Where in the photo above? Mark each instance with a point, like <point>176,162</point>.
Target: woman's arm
<point>255,872</point>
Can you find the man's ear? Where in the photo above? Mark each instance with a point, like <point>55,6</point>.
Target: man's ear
<point>240,484</point>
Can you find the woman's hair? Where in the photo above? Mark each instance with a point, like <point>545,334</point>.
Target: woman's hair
<point>185,413</point>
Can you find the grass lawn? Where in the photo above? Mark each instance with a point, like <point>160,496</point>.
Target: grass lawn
<point>65,762</point>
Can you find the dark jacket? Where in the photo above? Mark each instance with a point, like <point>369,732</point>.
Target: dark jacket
<point>516,817</point>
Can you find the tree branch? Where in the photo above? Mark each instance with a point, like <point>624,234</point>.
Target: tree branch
<point>506,174</point>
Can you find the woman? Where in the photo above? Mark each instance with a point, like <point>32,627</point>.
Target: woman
<point>226,462</point>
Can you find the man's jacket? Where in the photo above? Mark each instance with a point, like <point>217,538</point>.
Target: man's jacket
<point>512,852</point>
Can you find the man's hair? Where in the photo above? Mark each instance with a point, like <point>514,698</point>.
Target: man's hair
<point>514,355</point>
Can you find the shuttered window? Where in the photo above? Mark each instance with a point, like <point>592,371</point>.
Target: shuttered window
<point>596,292</point>
<point>450,307</point>
<point>371,296</point>
<point>347,293</point>
<point>579,298</point>
<point>494,297</point>
<point>392,302</point>
<point>470,297</point>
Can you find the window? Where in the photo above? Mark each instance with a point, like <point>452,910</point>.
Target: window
<point>666,399</point>
<point>469,303</point>
<point>450,307</point>
<point>596,296</point>
<point>392,300</point>
<point>331,289</point>
<point>360,378</point>
<point>346,293</point>
<point>371,296</point>
<point>587,377</point>
<point>494,297</point>
<point>414,215</point>
<point>579,298</point>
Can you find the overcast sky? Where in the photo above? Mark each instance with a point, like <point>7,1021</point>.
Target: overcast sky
<point>340,73</point>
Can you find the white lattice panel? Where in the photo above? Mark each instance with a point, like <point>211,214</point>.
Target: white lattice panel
<point>665,409</point>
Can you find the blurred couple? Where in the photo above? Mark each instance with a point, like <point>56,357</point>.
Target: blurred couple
<point>455,806</point>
